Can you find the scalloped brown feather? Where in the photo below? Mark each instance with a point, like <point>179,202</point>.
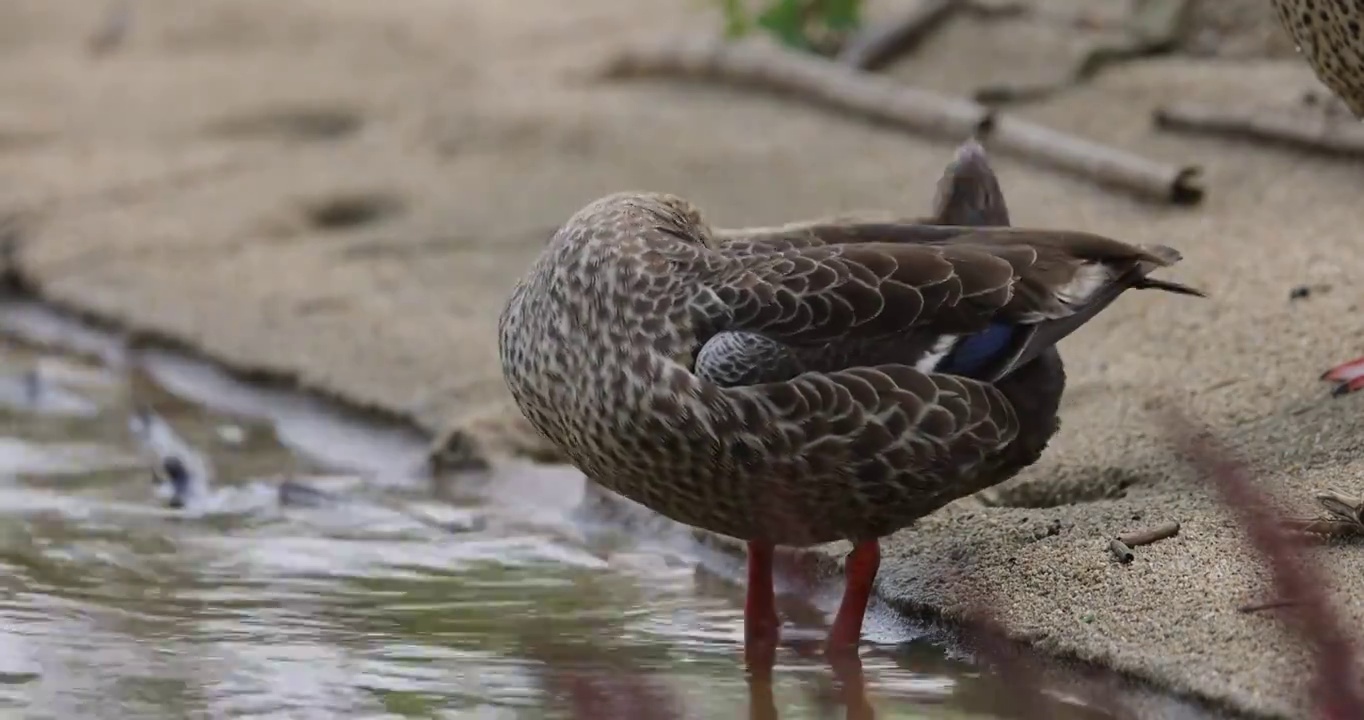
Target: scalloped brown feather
<point>877,288</point>
<point>598,345</point>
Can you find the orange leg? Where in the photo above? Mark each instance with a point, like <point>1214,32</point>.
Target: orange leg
<point>860,570</point>
<point>761,626</point>
<point>1348,377</point>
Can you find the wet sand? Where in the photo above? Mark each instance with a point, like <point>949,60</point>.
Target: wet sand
<point>339,194</point>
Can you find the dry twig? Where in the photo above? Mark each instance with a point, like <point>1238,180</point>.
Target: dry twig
<point>1101,55</point>
<point>1100,164</point>
<point>751,63</point>
<point>1266,605</point>
<point>1346,516</point>
<point>1160,532</point>
<point>1121,551</point>
<point>1153,27</point>
<point>1289,129</point>
<point>879,45</point>
<point>1342,505</point>
<point>853,91</point>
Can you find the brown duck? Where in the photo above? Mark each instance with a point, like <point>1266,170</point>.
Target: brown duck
<point>798,385</point>
<point>1330,35</point>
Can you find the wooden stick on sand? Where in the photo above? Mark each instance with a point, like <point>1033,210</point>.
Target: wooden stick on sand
<point>877,45</point>
<point>822,82</point>
<point>1344,137</point>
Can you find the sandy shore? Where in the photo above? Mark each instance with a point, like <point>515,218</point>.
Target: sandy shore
<point>339,193</point>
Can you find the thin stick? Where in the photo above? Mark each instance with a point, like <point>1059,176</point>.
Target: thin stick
<point>1152,28</point>
<point>807,77</point>
<point>1101,164</point>
<point>852,91</point>
<point>1295,130</point>
<point>1323,526</point>
<point>1266,605</point>
<point>879,45</point>
<point>1120,551</point>
<point>1150,535</point>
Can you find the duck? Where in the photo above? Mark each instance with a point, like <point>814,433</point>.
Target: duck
<point>1330,36</point>
<point>183,477</point>
<point>813,382</point>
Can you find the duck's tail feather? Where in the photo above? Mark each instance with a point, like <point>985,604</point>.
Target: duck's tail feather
<point>1168,286</point>
<point>1037,337</point>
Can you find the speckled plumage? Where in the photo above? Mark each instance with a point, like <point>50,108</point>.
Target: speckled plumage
<point>782,385</point>
<point>1330,34</point>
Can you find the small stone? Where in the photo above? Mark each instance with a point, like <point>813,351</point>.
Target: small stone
<point>233,435</point>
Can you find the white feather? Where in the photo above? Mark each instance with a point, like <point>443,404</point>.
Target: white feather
<point>1088,279</point>
<point>929,362</point>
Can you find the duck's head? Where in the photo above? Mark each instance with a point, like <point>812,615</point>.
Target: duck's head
<point>627,212</point>
<point>969,192</point>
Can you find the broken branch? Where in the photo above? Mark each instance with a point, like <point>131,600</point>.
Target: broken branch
<point>1289,129</point>
<point>878,45</point>
<point>1150,535</point>
<point>813,79</point>
<point>1100,164</point>
<point>1152,27</point>
<point>880,99</point>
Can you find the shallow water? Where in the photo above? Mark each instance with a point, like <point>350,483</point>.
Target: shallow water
<point>385,593</point>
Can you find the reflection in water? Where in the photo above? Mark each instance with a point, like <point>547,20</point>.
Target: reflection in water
<point>324,575</point>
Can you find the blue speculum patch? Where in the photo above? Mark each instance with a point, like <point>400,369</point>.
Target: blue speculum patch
<point>976,351</point>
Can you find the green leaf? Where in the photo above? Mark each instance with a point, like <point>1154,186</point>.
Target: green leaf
<point>841,14</point>
<point>786,20</point>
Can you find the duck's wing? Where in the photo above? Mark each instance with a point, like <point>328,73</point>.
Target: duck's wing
<point>864,449</point>
<point>900,436</point>
<point>968,194</point>
<point>995,296</point>
<point>826,231</point>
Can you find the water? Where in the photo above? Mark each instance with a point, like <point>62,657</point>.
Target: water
<point>374,591</point>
